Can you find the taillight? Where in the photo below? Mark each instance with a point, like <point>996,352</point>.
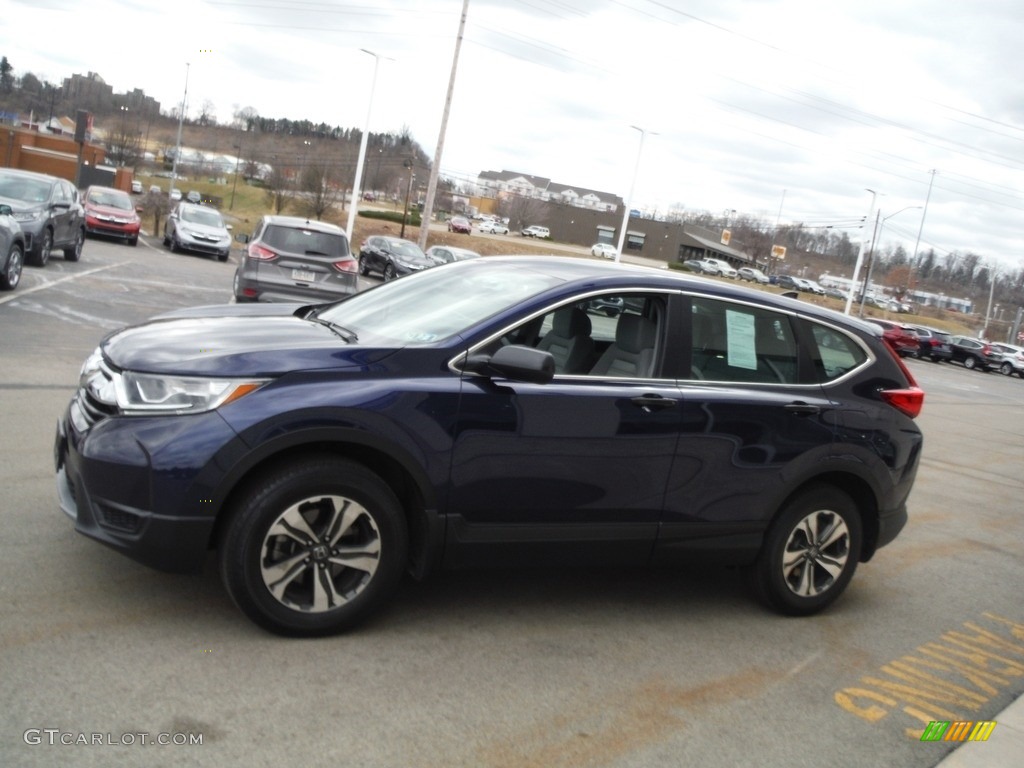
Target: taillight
<point>908,400</point>
<point>261,253</point>
<point>345,265</point>
<point>934,342</point>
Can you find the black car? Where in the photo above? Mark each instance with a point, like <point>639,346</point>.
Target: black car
<point>294,259</point>
<point>975,354</point>
<point>935,345</point>
<point>392,257</point>
<point>475,414</point>
<point>49,211</point>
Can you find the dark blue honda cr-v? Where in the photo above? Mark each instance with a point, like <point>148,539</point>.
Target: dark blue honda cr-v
<point>492,412</point>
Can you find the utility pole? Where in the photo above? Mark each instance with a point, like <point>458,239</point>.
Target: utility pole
<point>435,169</point>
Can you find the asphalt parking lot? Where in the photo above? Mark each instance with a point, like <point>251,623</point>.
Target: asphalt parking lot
<point>103,657</point>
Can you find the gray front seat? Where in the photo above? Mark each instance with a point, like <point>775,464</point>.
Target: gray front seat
<point>632,353</point>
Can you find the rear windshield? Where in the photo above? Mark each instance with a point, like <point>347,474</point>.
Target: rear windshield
<point>295,240</point>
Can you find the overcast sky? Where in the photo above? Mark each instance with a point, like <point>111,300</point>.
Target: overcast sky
<point>787,109</point>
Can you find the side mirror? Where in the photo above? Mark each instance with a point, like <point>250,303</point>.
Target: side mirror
<point>515,363</point>
<point>6,210</point>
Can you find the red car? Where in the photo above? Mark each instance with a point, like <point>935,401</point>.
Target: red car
<point>111,212</point>
<point>900,337</point>
<point>459,224</point>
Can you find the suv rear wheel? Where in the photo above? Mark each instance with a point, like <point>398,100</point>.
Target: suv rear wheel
<point>810,552</point>
<point>313,546</point>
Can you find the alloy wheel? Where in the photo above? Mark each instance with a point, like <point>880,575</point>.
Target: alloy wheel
<point>320,553</point>
<point>816,553</point>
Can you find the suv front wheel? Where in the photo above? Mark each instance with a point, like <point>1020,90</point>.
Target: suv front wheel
<point>314,546</point>
<point>810,552</point>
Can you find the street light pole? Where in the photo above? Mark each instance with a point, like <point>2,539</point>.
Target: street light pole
<point>357,182</point>
<point>879,226</point>
<point>181,120</point>
<point>860,256</point>
<point>632,187</point>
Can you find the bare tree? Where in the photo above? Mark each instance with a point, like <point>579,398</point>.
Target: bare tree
<point>124,144</point>
<point>522,211</point>
<point>279,192</point>
<point>319,190</point>
<point>206,113</point>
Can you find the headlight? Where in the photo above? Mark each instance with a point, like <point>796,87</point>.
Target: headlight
<point>143,393</point>
<point>29,215</point>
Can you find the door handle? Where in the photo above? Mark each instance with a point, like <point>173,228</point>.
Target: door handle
<point>802,409</point>
<point>648,403</point>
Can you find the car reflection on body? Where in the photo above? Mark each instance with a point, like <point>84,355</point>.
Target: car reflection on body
<point>475,414</point>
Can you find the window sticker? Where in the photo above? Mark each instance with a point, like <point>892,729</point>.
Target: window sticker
<point>740,333</point>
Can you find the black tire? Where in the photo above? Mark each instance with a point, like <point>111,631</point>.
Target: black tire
<point>389,272</point>
<point>12,270</point>
<point>351,557</point>
<point>74,253</point>
<point>223,256</point>
<point>810,552</point>
<point>363,268</point>
<point>133,242</point>
<point>1006,369</point>
<point>970,363</point>
<point>45,248</point>
<point>175,245</point>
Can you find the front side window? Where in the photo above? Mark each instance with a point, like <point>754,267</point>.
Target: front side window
<point>610,335</point>
<point>741,343</point>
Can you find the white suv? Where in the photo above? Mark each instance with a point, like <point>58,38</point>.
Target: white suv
<point>1013,358</point>
<point>723,267</point>
<point>535,231</point>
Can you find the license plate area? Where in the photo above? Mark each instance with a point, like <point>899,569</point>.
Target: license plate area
<point>303,276</point>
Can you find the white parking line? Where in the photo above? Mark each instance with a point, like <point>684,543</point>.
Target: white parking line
<point>51,283</point>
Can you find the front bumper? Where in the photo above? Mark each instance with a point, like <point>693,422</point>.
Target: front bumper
<point>144,486</point>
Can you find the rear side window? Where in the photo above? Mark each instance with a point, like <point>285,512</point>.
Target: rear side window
<point>740,343</point>
<point>306,241</point>
<point>834,352</point>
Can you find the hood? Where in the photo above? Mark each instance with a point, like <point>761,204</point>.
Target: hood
<point>416,261</point>
<point>234,340</point>
<point>20,206</point>
<point>111,212</point>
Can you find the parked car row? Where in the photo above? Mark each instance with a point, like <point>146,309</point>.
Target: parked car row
<point>939,346</point>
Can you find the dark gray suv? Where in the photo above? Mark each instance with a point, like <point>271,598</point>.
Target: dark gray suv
<point>295,259</point>
<point>49,212</point>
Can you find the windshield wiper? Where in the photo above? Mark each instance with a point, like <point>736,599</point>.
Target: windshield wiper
<point>349,336</point>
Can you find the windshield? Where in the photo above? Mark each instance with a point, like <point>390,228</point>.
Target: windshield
<point>438,303</point>
<point>26,190</point>
<point>111,199</point>
<point>406,249</point>
<point>203,216</point>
